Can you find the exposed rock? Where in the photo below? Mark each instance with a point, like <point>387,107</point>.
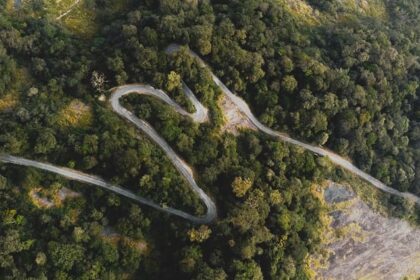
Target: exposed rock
<point>367,245</point>
<point>336,193</point>
<point>234,118</point>
<point>102,98</point>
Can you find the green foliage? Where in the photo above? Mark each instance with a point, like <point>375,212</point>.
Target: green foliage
<point>174,81</point>
<point>3,182</point>
<point>352,87</point>
<point>64,256</point>
<point>45,143</point>
<point>240,186</point>
<point>199,235</point>
<point>289,83</point>
<point>247,270</point>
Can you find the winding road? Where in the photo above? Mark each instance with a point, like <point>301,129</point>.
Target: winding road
<point>200,116</point>
<point>336,159</point>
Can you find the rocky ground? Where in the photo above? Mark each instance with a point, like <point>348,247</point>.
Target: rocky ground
<point>363,244</point>
<point>235,120</point>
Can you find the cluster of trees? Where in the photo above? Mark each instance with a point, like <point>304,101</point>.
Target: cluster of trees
<point>351,86</point>
<point>347,86</point>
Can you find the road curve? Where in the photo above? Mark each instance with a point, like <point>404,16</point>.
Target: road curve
<point>336,159</point>
<point>201,115</point>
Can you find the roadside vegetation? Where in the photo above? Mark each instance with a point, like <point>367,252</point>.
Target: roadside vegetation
<point>351,86</point>
<point>76,113</point>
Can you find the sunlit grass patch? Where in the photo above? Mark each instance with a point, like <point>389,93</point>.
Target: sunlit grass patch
<point>76,114</point>
<point>83,17</point>
<point>372,8</point>
<point>319,260</point>
<point>40,199</point>
<point>302,11</point>
<point>8,101</point>
<point>57,7</point>
<point>9,5</point>
<point>413,275</point>
<point>48,198</point>
<point>114,238</point>
<point>352,230</point>
<point>347,9</point>
<point>81,20</point>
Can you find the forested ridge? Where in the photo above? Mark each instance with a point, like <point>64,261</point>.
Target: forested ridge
<point>349,84</point>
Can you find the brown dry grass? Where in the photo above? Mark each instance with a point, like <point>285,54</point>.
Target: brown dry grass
<point>8,101</point>
<point>234,120</point>
<point>75,114</point>
<point>115,238</point>
<point>43,198</point>
<point>365,244</point>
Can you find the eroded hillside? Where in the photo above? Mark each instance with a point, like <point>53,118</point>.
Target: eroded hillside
<point>363,244</point>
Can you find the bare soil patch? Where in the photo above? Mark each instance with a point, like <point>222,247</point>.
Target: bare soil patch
<point>363,244</point>
<point>235,120</point>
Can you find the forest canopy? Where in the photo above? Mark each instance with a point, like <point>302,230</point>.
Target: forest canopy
<point>349,81</point>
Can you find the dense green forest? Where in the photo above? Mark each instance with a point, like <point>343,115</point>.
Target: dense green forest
<point>349,82</point>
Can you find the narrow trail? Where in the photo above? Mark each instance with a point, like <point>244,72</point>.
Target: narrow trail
<point>18,3</point>
<point>200,116</point>
<point>68,10</point>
